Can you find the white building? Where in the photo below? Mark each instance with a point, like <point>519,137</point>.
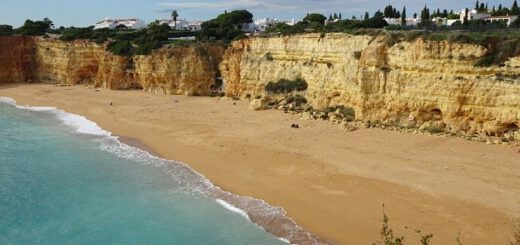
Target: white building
<point>473,15</point>
<point>261,25</point>
<point>397,21</point>
<point>505,19</point>
<point>113,23</point>
<point>182,24</point>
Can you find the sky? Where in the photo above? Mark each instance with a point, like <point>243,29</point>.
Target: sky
<point>87,12</point>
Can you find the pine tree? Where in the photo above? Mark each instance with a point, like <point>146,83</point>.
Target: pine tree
<point>330,17</point>
<point>339,16</point>
<point>425,13</point>
<point>514,9</point>
<point>477,5</point>
<point>403,16</point>
<point>465,20</point>
<point>367,16</point>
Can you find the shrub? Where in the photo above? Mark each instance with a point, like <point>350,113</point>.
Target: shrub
<point>121,48</point>
<point>6,30</point>
<point>286,86</point>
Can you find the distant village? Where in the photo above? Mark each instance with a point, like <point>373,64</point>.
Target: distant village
<point>480,12</point>
<point>184,25</point>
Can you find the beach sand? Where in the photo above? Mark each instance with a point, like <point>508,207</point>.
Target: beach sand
<point>329,181</point>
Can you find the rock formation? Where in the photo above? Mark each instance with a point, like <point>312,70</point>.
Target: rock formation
<point>432,85</point>
<point>190,70</point>
<point>415,83</point>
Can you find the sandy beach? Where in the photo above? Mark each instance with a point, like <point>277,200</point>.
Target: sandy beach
<point>329,181</point>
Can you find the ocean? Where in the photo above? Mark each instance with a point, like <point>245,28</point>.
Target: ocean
<point>64,180</point>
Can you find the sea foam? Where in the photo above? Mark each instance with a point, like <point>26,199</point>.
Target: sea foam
<point>79,123</point>
<point>233,208</point>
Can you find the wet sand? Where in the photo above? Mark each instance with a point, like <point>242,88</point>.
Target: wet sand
<point>330,182</point>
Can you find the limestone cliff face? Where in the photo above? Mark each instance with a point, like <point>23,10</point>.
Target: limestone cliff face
<point>172,70</point>
<point>415,83</point>
<point>67,63</point>
<point>194,70</point>
<point>16,59</point>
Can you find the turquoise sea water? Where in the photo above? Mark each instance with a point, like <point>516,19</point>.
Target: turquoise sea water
<point>65,181</point>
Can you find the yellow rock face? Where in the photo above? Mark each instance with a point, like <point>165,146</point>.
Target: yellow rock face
<point>16,59</point>
<point>417,83</point>
<point>174,70</point>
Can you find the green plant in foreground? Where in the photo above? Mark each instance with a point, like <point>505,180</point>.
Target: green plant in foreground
<point>387,234</point>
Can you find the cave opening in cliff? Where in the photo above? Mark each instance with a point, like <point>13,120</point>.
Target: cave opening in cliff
<point>436,114</point>
<point>511,127</point>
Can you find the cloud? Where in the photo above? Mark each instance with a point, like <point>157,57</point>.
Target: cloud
<point>254,5</point>
<point>300,7</point>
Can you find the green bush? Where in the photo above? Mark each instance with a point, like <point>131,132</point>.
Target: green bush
<point>227,26</point>
<point>6,30</point>
<point>286,86</point>
<point>121,47</point>
<point>34,28</point>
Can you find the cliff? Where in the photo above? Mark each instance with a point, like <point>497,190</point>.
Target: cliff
<point>190,70</point>
<point>415,83</point>
<point>16,59</point>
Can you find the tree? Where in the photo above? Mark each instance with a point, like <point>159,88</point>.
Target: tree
<point>335,16</point>
<point>465,20</point>
<point>315,17</point>
<point>226,26</point>
<point>403,16</point>
<point>378,14</point>
<point>367,16</point>
<point>415,15</point>
<point>330,17</point>
<point>514,9</point>
<point>339,16</point>
<point>6,30</point>
<point>425,13</point>
<point>175,15</point>
<point>477,5</point>
<point>482,7</point>
<point>35,28</point>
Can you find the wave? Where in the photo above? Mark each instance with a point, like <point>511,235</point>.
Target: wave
<point>233,208</point>
<point>190,182</point>
<point>79,123</point>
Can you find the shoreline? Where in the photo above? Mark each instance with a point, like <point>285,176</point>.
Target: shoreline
<point>344,182</point>
<point>273,219</point>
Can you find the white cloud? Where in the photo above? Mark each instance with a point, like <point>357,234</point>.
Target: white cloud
<point>235,4</point>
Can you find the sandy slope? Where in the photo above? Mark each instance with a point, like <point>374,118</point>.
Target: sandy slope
<point>331,182</point>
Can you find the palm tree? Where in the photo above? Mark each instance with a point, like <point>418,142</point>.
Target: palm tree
<point>174,17</point>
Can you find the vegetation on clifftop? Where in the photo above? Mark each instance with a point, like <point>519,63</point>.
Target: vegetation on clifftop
<point>226,27</point>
